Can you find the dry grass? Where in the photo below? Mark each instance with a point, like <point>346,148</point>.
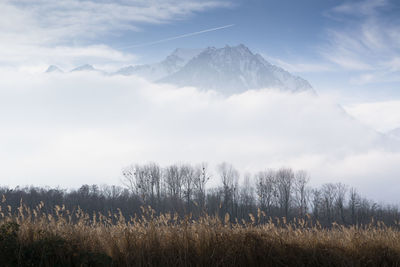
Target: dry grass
<point>32,238</point>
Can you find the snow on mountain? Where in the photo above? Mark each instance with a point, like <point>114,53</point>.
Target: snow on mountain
<point>185,54</point>
<point>168,66</point>
<point>53,68</point>
<point>289,81</point>
<point>233,70</point>
<point>85,67</point>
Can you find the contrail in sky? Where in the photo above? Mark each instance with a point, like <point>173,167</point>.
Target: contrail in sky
<point>179,36</point>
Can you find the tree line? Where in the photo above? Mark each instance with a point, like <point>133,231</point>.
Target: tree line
<point>184,189</point>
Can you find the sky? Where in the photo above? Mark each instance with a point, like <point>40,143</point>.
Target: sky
<point>351,45</point>
<point>84,128</point>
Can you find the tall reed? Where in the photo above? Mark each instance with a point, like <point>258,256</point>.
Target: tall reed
<point>31,237</point>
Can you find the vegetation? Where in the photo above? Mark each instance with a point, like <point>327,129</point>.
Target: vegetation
<point>184,189</point>
<point>278,220</point>
<point>34,238</point>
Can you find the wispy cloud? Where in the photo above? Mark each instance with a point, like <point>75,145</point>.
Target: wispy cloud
<point>367,42</point>
<point>65,19</point>
<point>301,67</point>
<point>366,7</point>
<point>28,26</point>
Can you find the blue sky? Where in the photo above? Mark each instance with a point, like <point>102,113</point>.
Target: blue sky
<point>275,28</point>
<point>268,26</point>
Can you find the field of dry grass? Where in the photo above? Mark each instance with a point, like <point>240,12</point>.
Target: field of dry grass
<point>32,238</point>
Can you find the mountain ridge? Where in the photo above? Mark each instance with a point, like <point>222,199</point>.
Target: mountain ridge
<point>228,70</point>
<point>153,72</point>
<point>234,70</point>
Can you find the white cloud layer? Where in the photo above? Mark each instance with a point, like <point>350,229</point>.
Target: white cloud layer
<point>69,129</point>
<point>382,116</point>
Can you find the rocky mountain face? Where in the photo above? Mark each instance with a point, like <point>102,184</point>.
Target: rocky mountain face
<point>53,68</point>
<point>153,72</point>
<point>234,70</point>
<point>85,67</point>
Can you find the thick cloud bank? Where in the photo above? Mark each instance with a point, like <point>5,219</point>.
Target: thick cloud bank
<point>69,129</point>
<point>383,116</point>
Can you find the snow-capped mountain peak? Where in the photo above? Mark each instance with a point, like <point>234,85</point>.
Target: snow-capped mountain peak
<point>53,68</point>
<point>185,54</point>
<point>234,69</point>
<point>85,67</point>
<point>171,64</point>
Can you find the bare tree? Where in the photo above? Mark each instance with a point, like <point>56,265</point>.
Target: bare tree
<point>284,182</point>
<point>229,178</point>
<point>301,192</point>
<point>316,203</point>
<point>246,195</point>
<point>173,180</point>
<point>354,203</point>
<point>200,180</point>
<point>187,173</point>
<point>341,190</point>
<point>329,196</point>
<point>129,178</point>
<point>112,192</point>
<point>266,189</point>
<point>153,174</point>
<point>137,181</point>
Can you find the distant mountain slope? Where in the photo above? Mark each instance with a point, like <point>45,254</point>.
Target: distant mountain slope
<point>53,68</point>
<point>85,67</point>
<point>394,133</point>
<point>170,65</point>
<point>233,70</point>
